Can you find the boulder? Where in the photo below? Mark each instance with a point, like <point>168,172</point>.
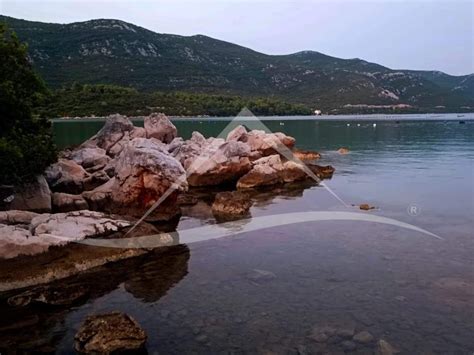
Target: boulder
<point>385,348</point>
<point>34,196</point>
<point>17,240</point>
<point>91,159</point>
<point>366,207</point>
<point>305,155</point>
<point>63,202</point>
<point>108,333</point>
<point>343,150</point>
<point>144,173</point>
<point>224,165</point>
<point>158,126</point>
<point>270,170</point>
<point>231,204</point>
<point>66,176</point>
<point>261,141</point>
<point>116,133</point>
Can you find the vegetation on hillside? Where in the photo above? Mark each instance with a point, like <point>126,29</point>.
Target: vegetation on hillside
<point>26,145</point>
<point>102,100</point>
<point>119,53</point>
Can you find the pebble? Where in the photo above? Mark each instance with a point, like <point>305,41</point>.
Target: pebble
<point>346,333</point>
<point>363,337</point>
<point>201,338</point>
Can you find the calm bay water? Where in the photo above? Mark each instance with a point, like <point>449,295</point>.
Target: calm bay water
<point>265,291</point>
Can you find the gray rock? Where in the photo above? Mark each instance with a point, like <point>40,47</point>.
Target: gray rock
<point>160,127</point>
<point>109,333</point>
<point>34,196</point>
<point>90,158</point>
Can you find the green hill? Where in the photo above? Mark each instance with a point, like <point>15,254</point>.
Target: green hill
<point>115,52</point>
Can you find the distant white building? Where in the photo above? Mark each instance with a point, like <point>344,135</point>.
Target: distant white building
<point>317,112</point>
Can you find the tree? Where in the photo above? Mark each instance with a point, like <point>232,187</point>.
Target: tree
<point>26,142</point>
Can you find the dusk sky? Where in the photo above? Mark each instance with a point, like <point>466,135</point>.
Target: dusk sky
<point>429,35</point>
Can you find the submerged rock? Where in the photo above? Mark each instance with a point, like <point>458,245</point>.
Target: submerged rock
<point>231,204</point>
<point>343,150</point>
<point>34,196</point>
<point>109,333</point>
<point>158,126</point>
<point>384,348</point>
<point>363,337</point>
<point>48,295</point>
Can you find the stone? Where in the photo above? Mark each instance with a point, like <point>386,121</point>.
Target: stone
<point>34,196</point>
<point>237,134</point>
<point>75,226</point>
<point>63,202</point>
<point>346,332</point>
<point>305,155</point>
<point>384,348</point>
<point>231,204</point>
<point>218,163</point>
<point>144,173</point>
<point>158,126</point>
<point>270,170</point>
<point>363,337</point>
<point>109,333</point>
<point>268,143</point>
<point>17,217</point>
<point>366,207</point>
<point>66,176</point>
<point>90,158</point>
<point>343,150</point>
<point>113,136</point>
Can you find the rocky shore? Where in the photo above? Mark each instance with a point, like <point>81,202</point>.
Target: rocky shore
<point>102,186</point>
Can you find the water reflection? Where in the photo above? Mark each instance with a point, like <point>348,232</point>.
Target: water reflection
<point>32,320</point>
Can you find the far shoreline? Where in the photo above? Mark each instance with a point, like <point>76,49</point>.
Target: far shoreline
<point>349,117</point>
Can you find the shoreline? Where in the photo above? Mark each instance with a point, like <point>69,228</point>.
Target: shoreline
<point>356,117</point>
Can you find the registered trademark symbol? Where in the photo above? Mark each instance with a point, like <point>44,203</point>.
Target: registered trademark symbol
<point>413,210</point>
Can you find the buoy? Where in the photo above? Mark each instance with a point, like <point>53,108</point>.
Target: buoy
<point>358,125</point>
<point>348,125</point>
<point>282,123</point>
<point>374,125</point>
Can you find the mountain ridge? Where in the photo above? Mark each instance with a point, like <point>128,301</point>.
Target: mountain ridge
<point>117,52</point>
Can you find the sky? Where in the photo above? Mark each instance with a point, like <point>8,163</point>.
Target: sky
<point>422,34</point>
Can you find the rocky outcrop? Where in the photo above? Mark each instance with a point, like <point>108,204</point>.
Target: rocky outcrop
<point>212,161</point>
<point>158,126</point>
<point>34,196</point>
<point>41,231</point>
<point>231,204</point>
<point>109,333</point>
<point>63,202</point>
